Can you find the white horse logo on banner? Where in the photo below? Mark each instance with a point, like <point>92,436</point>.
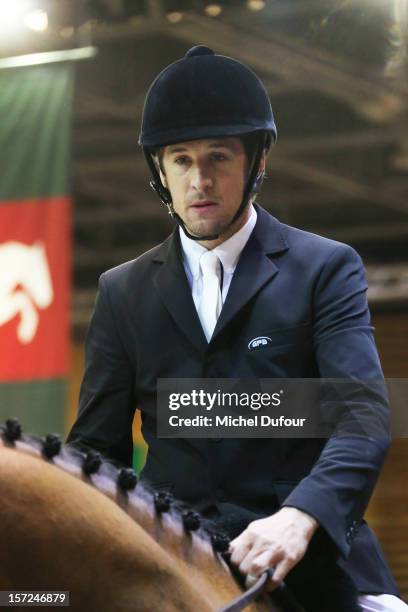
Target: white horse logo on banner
<point>25,286</point>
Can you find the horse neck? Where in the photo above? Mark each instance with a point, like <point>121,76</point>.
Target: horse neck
<point>56,530</point>
<point>187,563</point>
<point>192,551</point>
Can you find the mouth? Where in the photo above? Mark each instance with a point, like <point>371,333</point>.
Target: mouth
<point>203,205</point>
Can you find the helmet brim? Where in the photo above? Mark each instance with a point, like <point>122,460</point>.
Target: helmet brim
<point>186,134</point>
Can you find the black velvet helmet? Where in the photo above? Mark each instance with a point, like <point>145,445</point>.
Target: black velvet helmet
<point>204,95</point>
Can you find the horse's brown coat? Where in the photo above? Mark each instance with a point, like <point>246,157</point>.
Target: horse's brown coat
<point>60,533</point>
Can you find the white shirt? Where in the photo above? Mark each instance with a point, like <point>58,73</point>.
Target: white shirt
<point>228,253</point>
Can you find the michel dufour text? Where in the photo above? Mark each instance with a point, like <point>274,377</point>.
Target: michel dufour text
<point>209,401</point>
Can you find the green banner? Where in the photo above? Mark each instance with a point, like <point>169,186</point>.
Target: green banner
<point>35,244</point>
<point>35,119</point>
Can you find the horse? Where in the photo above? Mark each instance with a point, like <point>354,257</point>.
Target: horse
<point>71,521</point>
<point>25,267</point>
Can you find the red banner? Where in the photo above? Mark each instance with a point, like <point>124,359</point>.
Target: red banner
<point>35,253</point>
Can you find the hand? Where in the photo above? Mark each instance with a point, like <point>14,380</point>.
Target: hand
<point>278,541</point>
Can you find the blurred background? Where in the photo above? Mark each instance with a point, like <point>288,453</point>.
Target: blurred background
<point>74,194</point>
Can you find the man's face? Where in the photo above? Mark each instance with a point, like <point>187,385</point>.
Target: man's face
<point>206,179</point>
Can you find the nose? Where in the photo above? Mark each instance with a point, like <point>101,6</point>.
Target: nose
<point>201,177</point>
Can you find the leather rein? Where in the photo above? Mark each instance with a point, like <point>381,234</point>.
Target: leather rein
<point>244,600</point>
<point>241,602</point>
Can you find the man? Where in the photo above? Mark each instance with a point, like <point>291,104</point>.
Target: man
<point>190,307</point>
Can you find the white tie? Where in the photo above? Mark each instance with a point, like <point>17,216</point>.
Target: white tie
<point>211,301</point>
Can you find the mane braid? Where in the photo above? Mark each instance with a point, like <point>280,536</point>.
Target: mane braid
<point>120,484</point>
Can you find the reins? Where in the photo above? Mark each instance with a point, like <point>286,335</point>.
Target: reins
<point>241,602</point>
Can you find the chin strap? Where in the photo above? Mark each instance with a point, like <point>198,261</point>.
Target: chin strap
<point>253,185</point>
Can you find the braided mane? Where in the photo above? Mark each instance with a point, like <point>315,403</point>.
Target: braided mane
<point>168,520</point>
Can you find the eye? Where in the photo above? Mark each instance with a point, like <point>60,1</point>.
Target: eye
<point>181,160</point>
<point>217,156</point>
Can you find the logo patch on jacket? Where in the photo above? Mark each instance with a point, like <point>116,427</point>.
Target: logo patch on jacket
<point>259,341</point>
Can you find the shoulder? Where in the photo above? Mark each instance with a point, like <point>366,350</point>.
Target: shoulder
<point>309,245</point>
<point>303,253</point>
<point>295,241</point>
<point>134,271</point>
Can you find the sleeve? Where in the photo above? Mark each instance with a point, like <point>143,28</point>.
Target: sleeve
<point>106,401</point>
<point>337,490</point>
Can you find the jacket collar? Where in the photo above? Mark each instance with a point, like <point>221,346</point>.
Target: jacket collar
<point>268,232</point>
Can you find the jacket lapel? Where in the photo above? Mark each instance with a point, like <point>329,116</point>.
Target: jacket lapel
<point>173,288</point>
<point>255,266</point>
